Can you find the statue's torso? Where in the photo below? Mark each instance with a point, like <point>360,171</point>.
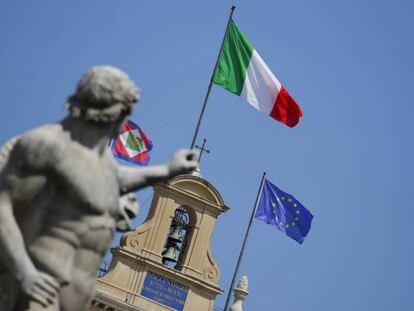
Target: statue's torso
<point>69,224</point>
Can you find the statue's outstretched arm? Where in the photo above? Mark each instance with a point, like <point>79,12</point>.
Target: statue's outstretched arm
<point>37,285</point>
<point>134,178</point>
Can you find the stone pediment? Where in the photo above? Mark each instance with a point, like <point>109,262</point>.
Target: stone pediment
<point>199,187</point>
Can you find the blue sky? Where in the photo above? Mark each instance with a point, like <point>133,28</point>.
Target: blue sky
<point>347,63</point>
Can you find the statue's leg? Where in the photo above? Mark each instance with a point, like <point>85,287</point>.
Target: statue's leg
<point>24,304</point>
<point>9,290</point>
<point>82,288</point>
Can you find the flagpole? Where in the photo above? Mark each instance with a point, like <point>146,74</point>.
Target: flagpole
<point>211,81</point>
<point>244,241</point>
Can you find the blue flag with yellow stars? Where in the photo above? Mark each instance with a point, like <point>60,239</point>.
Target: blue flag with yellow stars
<point>283,211</point>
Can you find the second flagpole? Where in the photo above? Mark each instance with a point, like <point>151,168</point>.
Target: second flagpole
<point>211,82</point>
<point>244,241</point>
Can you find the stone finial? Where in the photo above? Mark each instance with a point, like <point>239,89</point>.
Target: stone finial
<point>197,172</point>
<point>243,283</point>
<point>240,293</point>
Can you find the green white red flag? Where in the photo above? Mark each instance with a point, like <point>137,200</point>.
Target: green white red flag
<point>242,71</point>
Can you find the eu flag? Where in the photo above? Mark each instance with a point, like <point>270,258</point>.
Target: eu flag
<point>283,211</point>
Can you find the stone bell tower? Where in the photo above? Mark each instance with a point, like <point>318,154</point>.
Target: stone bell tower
<point>166,263</point>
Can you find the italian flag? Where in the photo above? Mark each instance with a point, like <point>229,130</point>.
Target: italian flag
<point>242,71</point>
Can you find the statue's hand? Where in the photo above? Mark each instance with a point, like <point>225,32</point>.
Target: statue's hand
<point>184,161</point>
<point>128,209</point>
<point>40,287</point>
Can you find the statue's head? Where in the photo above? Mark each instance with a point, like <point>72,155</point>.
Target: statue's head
<point>104,94</point>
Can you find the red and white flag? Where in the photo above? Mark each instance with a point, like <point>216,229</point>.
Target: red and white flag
<point>132,145</point>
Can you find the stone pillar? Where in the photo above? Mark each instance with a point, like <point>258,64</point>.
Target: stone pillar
<point>240,293</point>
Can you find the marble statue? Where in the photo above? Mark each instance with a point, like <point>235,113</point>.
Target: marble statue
<point>62,196</point>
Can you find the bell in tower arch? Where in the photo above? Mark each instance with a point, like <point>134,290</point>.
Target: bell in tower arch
<point>176,234</point>
<point>175,243</point>
<point>171,252</point>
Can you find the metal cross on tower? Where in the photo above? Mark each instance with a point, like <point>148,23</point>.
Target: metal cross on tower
<point>202,149</point>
